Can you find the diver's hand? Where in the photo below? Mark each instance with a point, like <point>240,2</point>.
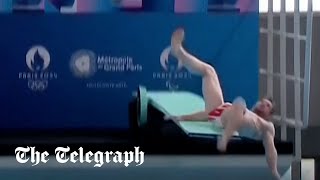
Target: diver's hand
<point>240,102</point>
<point>293,124</point>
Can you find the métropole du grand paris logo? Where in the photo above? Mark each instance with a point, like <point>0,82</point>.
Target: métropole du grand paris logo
<point>83,63</point>
<point>172,70</point>
<point>38,62</point>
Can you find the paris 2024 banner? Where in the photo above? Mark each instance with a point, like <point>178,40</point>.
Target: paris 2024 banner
<point>81,69</point>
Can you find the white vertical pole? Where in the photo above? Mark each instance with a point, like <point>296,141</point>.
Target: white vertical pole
<point>307,71</point>
<point>297,85</point>
<point>270,49</point>
<point>283,64</point>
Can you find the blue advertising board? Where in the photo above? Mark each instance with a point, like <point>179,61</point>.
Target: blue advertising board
<point>80,71</point>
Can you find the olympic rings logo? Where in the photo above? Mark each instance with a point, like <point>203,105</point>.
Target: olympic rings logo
<point>171,85</point>
<point>38,85</point>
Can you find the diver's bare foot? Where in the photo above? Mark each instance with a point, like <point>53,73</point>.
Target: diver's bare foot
<point>176,41</point>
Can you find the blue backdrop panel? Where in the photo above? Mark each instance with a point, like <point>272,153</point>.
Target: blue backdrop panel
<point>156,5</point>
<point>5,6</point>
<point>79,71</point>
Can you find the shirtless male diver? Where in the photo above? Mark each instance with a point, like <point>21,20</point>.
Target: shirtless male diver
<point>233,117</point>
